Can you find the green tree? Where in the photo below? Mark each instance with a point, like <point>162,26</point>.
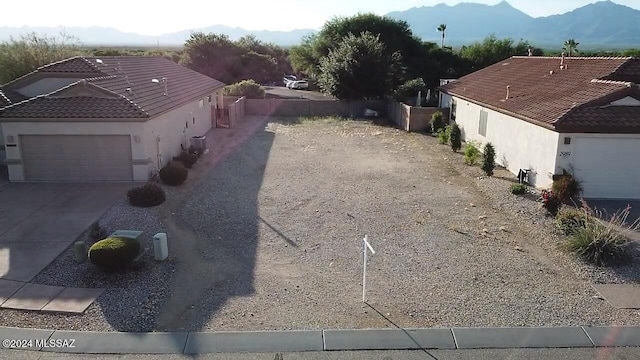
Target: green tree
<point>455,137</point>
<point>437,122</point>
<point>442,28</point>
<point>489,158</point>
<point>571,46</point>
<point>359,68</point>
<point>410,89</point>
<point>304,59</point>
<point>20,57</point>
<point>492,50</point>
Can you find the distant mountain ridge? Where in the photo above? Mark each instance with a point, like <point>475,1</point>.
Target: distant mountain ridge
<point>603,24</point>
<point>597,25</point>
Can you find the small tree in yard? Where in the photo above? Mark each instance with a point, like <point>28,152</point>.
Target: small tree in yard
<point>488,164</point>
<point>455,138</point>
<point>437,122</point>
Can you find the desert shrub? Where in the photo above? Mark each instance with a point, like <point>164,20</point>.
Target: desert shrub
<point>471,153</point>
<point>566,187</point>
<point>569,220</point>
<point>248,88</point>
<point>455,136</point>
<point>188,159</point>
<point>489,159</point>
<point>96,232</point>
<point>518,189</point>
<point>410,89</point>
<point>603,241</point>
<point>174,174</point>
<point>147,195</point>
<point>437,122</point>
<point>114,253</point>
<point>443,135</point>
<point>550,202</point>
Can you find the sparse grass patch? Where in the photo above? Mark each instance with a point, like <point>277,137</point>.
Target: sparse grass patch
<point>603,241</point>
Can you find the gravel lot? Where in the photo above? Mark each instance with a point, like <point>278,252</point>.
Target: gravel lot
<point>267,240</point>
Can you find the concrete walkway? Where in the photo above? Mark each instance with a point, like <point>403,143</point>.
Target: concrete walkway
<point>317,340</point>
<point>37,223</point>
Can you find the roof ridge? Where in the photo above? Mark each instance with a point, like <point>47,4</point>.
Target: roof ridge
<point>574,57</point>
<point>76,83</point>
<point>613,82</point>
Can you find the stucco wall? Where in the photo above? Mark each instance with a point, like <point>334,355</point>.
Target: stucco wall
<point>175,128</point>
<point>305,107</point>
<point>518,144</point>
<point>16,170</point>
<point>45,86</point>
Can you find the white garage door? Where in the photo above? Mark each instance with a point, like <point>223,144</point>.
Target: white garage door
<point>77,158</point>
<point>608,167</point>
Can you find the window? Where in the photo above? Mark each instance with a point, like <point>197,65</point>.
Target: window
<point>453,110</point>
<point>201,103</point>
<point>209,99</point>
<point>482,126</point>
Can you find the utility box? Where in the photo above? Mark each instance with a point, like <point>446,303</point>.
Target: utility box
<point>80,252</point>
<point>199,143</point>
<point>160,246</point>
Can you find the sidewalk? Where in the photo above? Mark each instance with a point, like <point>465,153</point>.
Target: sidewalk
<point>317,340</point>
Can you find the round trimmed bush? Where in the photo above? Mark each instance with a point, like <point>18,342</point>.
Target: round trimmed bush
<point>188,159</point>
<point>518,189</point>
<point>174,174</point>
<point>114,253</point>
<point>147,195</point>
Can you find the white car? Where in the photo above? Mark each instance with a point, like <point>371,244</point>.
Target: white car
<point>298,84</point>
<point>288,78</point>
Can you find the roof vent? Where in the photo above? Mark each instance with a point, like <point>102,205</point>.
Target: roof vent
<point>530,51</point>
<point>99,61</point>
<point>164,81</point>
<point>562,67</point>
<point>508,91</point>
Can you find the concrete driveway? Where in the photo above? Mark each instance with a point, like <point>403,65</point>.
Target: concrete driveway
<point>39,221</point>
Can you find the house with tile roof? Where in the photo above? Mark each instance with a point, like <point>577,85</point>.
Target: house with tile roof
<point>113,118</point>
<point>549,115</point>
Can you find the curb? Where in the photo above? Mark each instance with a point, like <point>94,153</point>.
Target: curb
<point>87,342</point>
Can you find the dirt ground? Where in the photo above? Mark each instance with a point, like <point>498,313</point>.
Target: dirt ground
<point>275,229</point>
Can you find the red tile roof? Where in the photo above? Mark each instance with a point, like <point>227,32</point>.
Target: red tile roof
<point>128,77</point>
<point>605,119</point>
<point>542,93</point>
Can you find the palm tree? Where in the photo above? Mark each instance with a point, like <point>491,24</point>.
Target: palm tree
<point>571,46</point>
<point>442,28</point>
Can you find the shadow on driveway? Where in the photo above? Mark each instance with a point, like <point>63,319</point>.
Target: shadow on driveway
<point>214,232</point>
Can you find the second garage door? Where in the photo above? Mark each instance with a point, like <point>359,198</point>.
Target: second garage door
<point>77,157</point>
<point>608,167</point>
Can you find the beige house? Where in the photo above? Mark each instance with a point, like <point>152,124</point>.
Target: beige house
<point>548,115</point>
<point>103,119</point>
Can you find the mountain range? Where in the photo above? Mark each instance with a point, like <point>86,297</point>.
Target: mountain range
<point>603,24</point>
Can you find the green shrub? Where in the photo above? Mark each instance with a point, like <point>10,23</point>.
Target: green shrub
<point>248,88</point>
<point>566,187</point>
<point>455,136</point>
<point>551,202</point>
<point>114,253</point>
<point>489,158</point>
<point>174,174</point>
<point>437,122</point>
<point>518,189</point>
<point>443,136</point>
<point>410,89</point>
<point>569,220</point>
<point>471,153</point>
<point>96,232</point>
<point>188,159</point>
<point>603,241</point>
<point>147,195</point>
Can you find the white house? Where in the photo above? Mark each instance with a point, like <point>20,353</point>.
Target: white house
<point>552,114</point>
<point>103,119</point>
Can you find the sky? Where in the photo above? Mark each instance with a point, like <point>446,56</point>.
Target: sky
<point>158,17</point>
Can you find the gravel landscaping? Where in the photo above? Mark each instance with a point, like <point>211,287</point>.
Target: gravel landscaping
<point>265,237</point>
<point>132,299</point>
